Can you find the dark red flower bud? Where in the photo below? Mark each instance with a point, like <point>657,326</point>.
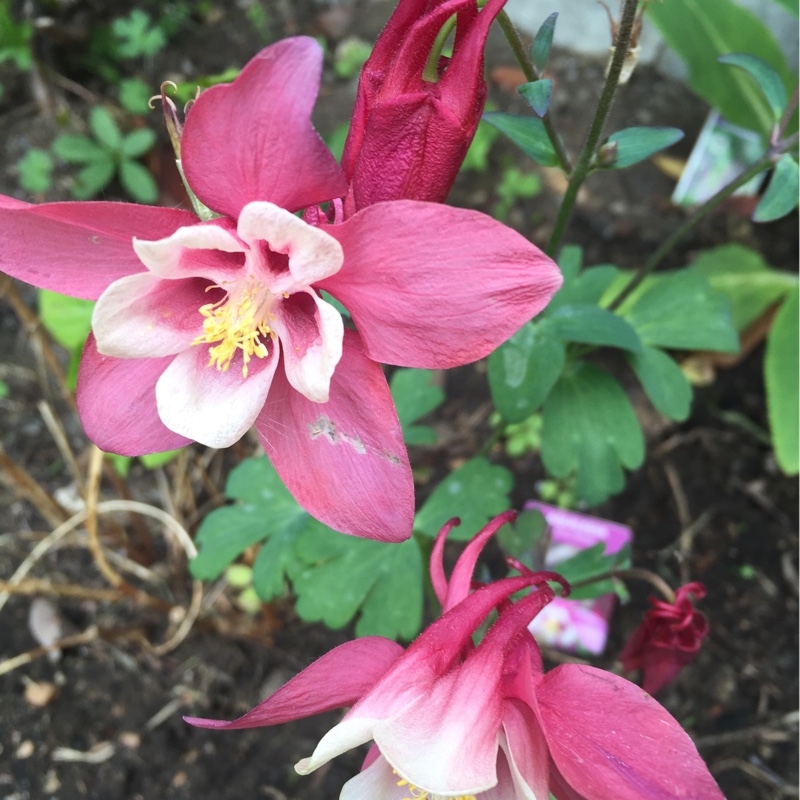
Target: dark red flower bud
<point>667,640</point>
<point>409,134</point>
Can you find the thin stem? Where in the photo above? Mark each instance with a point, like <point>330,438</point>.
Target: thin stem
<point>787,115</point>
<point>518,49</point>
<point>634,573</point>
<point>584,164</point>
<point>666,246</point>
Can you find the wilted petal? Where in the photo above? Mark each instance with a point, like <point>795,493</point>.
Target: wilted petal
<point>79,249</point>
<point>117,403</point>
<point>334,680</point>
<point>253,139</point>
<point>609,738</point>
<point>143,316</point>
<point>344,461</point>
<point>434,287</point>
<point>311,333</point>
<point>212,406</point>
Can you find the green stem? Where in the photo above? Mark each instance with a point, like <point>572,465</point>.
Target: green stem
<point>584,165</point>
<point>666,246</point>
<point>518,49</point>
<point>635,573</point>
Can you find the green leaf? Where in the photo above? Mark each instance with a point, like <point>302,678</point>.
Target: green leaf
<point>588,324</point>
<point>68,319</point>
<point>743,276</point>
<point>93,178</point>
<point>523,370</point>
<point>35,169</point>
<point>414,394</point>
<point>589,426</point>
<point>4,391</point>
<point>780,198</point>
<point>156,460</point>
<point>664,382</point>
<point>587,288</point>
<point>767,79</point>
<point>700,32</point>
<point>680,310</point>
<point>77,149</point>
<point>527,133</point>
<point>477,157</point>
<point>138,182</point>
<point>570,259</point>
<point>136,36</point>
<point>341,575</point>
<point>105,128</point>
<point>590,563</point>
<point>789,5</point>
<point>521,537</point>
<point>134,95</point>
<point>349,56</point>
<point>637,144</point>
<point>475,492</point>
<point>265,508</point>
<point>537,93</point>
<point>540,51</point>
<point>276,558</point>
<point>781,378</point>
<point>138,142</point>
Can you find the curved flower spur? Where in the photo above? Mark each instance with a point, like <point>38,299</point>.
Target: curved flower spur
<point>452,720</point>
<point>204,328</point>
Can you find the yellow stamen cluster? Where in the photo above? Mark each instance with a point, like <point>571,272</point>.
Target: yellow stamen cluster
<point>415,793</point>
<point>233,322</point>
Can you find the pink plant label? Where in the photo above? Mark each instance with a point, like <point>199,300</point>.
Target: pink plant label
<point>576,626</point>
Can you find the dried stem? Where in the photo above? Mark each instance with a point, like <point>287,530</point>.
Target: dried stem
<point>33,323</point>
<point>17,477</point>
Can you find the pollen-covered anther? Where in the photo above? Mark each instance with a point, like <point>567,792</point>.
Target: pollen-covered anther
<point>239,321</point>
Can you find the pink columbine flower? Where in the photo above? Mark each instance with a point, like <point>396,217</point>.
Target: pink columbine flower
<point>204,328</point>
<point>667,639</point>
<point>451,720</point>
<point>411,130</point>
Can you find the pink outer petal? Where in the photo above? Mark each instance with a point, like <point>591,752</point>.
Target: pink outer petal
<point>213,407</point>
<point>525,747</point>
<point>313,254</point>
<point>117,403</point>
<point>609,738</point>
<point>207,250</point>
<point>311,333</point>
<point>433,286</point>
<point>335,680</point>
<point>446,740</point>
<point>344,461</point>
<point>79,249</point>
<point>143,316</point>
<point>253,139</point>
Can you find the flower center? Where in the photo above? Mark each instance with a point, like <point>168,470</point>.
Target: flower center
<point>239,321</point>
<point>415,793</point>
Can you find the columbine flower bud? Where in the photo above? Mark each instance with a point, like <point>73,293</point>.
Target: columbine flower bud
<point>667,639</point>
<point>416,112</point>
